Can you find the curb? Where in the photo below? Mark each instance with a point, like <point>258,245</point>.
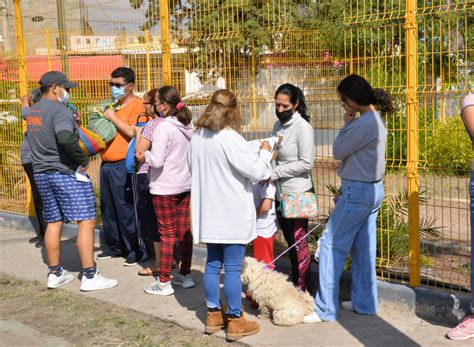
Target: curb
<point>437,247</point>
<point>18,221</point>
<point>433,306</point>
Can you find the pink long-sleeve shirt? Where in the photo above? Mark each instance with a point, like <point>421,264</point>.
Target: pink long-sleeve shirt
<point>169,172</point>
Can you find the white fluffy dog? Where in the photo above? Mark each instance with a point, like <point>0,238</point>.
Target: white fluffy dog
<point>278,298</point>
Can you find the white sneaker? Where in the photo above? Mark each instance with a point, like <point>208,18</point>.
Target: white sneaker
<point>98,282</point>
<point>183,281</point>
<point>158,288</point>
<point>347,305</point>
<point>57,281</point>
<point>312,318</point>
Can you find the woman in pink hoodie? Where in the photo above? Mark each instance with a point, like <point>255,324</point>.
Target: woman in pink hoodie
<point>170,186</point>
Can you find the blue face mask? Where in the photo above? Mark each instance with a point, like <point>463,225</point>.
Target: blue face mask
<point>117,92</point>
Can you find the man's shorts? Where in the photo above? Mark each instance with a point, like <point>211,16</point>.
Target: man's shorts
<point>65,198</point>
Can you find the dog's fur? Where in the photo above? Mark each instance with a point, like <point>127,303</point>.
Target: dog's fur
<point>278,298</point>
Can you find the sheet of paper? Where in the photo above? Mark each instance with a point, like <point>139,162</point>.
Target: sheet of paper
<point>255,144</point>
<point>81,176</point>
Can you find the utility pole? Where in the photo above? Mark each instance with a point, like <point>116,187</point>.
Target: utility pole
<point>5,27</point>
<point>63,44</point>
<point>84,18</point>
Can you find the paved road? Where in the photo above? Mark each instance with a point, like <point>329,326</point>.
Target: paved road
<point>393,326</point>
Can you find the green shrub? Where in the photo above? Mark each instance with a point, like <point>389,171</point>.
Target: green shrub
<point>397,140</point>
<point>449,147</point>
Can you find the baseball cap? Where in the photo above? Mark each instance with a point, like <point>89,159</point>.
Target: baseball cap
<point>56,77</point>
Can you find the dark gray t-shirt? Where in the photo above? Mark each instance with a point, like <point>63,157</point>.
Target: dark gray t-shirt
<point>45,119</point>
<point>25,150</point>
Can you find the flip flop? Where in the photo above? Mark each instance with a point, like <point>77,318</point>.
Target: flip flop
<point>148,272</point>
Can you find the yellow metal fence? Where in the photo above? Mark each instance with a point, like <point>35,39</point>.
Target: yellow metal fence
<point>420,51</point>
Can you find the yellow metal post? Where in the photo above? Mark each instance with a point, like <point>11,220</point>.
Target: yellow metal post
<point>411,32</point>
<point>23,82</point>
<point>148,65</point>
<point>254,91</point>
<point>48,46</point>
<point>165,41</point>
<point>20,47</point>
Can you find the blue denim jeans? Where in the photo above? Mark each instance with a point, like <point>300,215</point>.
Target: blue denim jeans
<point>230,256</point>
<point>351,227</point>
<point>471,193</point>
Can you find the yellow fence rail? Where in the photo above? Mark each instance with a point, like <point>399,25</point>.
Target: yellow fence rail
<point>420,51</point>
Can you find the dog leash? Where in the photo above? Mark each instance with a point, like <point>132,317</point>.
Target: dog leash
<point>285,251</point>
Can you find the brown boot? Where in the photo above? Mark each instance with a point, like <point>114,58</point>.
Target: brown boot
<point>216,320</point>
<point>239,327</point>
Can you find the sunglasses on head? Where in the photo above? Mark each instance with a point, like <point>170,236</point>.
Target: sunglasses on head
<point>118,85</point>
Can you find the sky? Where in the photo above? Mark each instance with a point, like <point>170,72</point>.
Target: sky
<point>110,16</point>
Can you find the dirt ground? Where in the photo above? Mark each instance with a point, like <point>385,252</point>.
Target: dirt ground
<point>80,320</point>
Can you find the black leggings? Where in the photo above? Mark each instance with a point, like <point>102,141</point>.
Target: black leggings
<point>38,202</point>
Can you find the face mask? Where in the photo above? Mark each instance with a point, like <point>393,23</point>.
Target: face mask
<point>117,92</point>
<point>65,98</point>
<point>284,116</point>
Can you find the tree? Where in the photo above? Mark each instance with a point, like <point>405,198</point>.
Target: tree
<point>222,36</point>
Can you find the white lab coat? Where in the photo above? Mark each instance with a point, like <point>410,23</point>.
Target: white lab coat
<point>223,170</point>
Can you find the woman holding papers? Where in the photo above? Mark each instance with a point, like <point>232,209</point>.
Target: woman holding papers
<point>223,169</point>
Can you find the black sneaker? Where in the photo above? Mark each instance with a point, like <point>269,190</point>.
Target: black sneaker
<point>35,239</point>
<point>103,255</point>
<point>39,244</point>
<point>130,262</point>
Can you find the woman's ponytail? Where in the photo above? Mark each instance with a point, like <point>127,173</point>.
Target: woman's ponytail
<point>170,95</point>
<point>183,113</point>
<point>302,108</point>
<point>383,100</point>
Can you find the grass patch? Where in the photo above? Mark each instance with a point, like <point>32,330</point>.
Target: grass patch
<point>86,321</point>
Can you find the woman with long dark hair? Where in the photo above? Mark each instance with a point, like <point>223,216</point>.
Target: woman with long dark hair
<point>360,145</point>
<point>292,172</point>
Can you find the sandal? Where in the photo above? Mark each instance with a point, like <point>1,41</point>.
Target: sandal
<point>147,271</point>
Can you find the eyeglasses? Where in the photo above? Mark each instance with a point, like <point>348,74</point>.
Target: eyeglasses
<point>118,85</point>
<point>147,103</point>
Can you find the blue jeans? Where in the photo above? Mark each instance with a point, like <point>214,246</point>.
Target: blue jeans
<point>231,256</point>
<point>471,193</point>
<point>351,227</point>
